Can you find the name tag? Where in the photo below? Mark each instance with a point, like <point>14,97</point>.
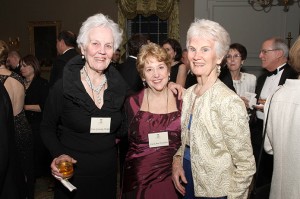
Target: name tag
<point>100,125</point>
<point>158,139</point>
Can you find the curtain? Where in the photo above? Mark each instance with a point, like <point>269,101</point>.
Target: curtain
<point>164,9</point>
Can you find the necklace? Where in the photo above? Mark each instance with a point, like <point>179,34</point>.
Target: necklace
<point>27,82</point>
<point>93,88</point>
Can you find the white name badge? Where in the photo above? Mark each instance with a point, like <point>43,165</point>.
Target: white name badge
<point>100,125</point>
<point>158,139</point>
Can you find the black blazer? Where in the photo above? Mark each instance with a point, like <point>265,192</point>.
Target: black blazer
<point>130,74</point>
<point>59,64</point>
<point>288,73</point>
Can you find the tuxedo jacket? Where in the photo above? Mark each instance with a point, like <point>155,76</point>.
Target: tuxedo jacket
<point>59,64</point>
<point>288,73</point>
<point>130,74</point>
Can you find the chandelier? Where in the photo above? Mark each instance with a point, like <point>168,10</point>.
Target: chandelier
<point>266,5</point>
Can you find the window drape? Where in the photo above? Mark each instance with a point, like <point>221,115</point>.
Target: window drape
<point>164,9</point>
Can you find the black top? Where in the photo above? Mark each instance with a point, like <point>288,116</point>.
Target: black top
<point>130,74</point>
<point>174,72</point>
<point>226,78</point>
<point>70,105</point>
<point>59,64</point>
<point>36,93</point>
<point>11,175</point>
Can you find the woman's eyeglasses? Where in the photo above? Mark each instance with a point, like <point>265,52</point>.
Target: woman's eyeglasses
<point>233,56</point>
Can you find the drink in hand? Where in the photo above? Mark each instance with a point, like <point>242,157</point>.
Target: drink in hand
<point>66,169</point>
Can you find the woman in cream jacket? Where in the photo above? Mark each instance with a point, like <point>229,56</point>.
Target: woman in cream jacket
<point>215,159</point>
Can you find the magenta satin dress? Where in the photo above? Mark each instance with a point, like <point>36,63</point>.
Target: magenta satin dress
<point>147,171</point>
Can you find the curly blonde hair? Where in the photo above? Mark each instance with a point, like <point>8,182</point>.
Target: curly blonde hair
<point>152,50</point>
<point>295,55</point>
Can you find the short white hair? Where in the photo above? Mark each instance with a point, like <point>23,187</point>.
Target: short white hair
<point>204,28</point>
<point>99,20</point>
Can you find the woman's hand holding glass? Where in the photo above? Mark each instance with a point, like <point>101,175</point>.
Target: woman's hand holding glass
<point>62,167</point>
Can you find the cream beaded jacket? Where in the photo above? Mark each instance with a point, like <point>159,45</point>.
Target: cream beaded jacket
<point>221,153</point>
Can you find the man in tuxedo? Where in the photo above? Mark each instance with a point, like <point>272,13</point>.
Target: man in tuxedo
<point>66,49</point>
<point>13,61</point>
<point>274,57</point>
<point>128,68</point>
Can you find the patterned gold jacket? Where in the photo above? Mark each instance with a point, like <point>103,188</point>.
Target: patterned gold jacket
<point>221,153</point>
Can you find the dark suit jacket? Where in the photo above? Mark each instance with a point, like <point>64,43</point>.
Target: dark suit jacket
<point>288,73</point>
<point>59,64</point>
<point>17,69</point>
<point>226,78</point>
<point>130,74</point>
<point>12,180</point>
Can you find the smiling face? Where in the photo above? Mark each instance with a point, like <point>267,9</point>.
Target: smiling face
<point>234,60</point>
<point>99,49</point>
<point>156,74</point>
<point>202,57</point>
<point>169,50</point>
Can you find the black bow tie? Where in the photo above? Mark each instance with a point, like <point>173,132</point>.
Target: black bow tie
<point>270,73</point>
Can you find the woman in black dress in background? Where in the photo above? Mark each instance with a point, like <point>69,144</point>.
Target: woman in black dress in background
<point>23,136</point>
<point>36,93</point>
<point>178,69</point>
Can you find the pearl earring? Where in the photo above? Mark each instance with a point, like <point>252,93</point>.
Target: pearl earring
<point>219,69</point>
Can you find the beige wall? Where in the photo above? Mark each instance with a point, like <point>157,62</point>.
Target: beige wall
<point>17,14</point>
<point>250,27</point>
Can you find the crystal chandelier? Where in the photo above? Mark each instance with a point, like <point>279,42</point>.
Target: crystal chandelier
<point>266,5</point>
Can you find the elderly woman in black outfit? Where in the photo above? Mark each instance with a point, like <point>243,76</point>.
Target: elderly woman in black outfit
<point>87,103</point>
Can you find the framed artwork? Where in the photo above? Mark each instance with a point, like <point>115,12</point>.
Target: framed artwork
<point>42,40</point>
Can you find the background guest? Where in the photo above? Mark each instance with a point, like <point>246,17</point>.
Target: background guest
<point>13,61</point>
<point>37,89</point>
<point>87,103</point>
<point>14,85</point>
<point>273,55</point>
<point>178,69</point>
<point>242,82</point>
<point>116,58</point>
<point>11,175</point>
<point>128,68</point>
<point>190,77</point>
<point>215,159</point>
<point>282,139</point>
<point>66,49</point>
<point>147,169</point>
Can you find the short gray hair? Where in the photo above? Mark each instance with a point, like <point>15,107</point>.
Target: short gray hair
<point>99,20</point>
<point>279,44</point>
<point>204,28</point>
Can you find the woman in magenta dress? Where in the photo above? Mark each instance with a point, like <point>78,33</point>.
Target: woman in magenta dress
<point>153,123</point>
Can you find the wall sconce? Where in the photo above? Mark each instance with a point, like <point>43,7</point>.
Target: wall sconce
<point>266,5</point>
<point>14,43</point>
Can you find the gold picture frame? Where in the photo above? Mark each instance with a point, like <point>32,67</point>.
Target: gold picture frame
<point>42,40</point>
